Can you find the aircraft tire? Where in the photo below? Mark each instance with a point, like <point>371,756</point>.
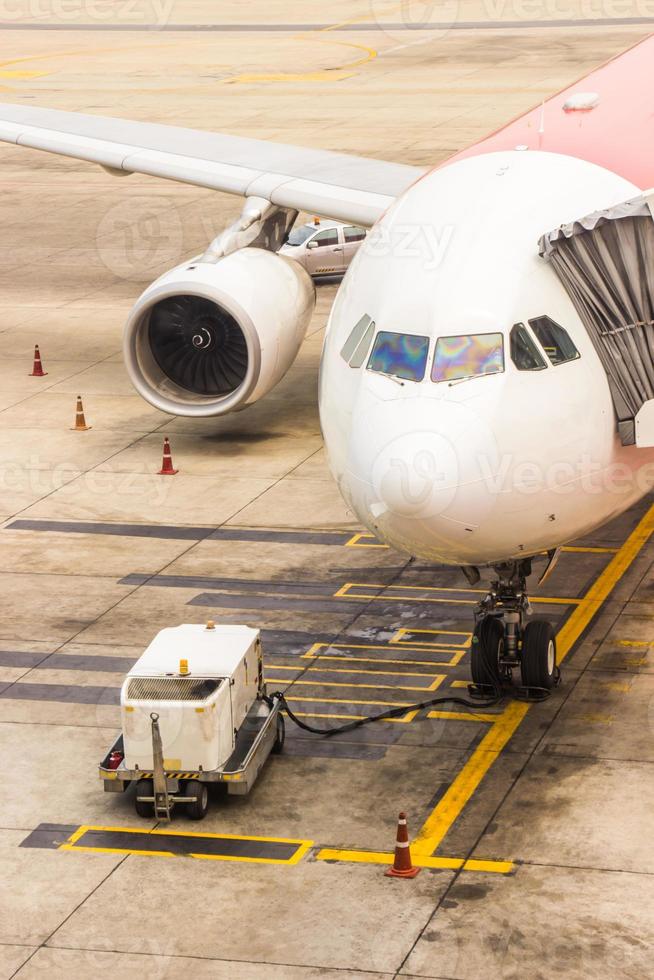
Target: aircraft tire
<point>487,641</point>
<point>538,658</point>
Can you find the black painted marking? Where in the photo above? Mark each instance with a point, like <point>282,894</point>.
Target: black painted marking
<point>239,585</point>
<point>128,530</point>
<point>316,748</point>
<point>16,658</point>
<point>49,836</point>
<point>226,600</point>
<point>283,537</point>
<point>182,533</point>
<point>171,843</point>
<point>99,662</point>
<point>310,28</point>
<point>66,693</point>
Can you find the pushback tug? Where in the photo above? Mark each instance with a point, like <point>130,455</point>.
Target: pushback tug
<point>194,711</point>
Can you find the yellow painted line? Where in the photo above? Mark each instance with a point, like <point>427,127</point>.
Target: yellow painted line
<point>75,836</point>
<point>404,720</point>
<point>16,73</point>
<point>376,687</point>
<point>314,655</point>
<point>423,861</point>
<point>496,867</point>
<point>163,832</point>
<point>462,716</point>
<point>635,643</point>
<point>405,630</point>
<point>383,704</point>
<point>343,593</point>
<point>358,541</point>
<point>303,846</point>
<point>466,783</point>
<point>295,859</point>
<point>595,718</point>
<point>591,551</point>
<point>354,670</point>
<point>452,662</point>
<point>460,684</point>
<point>461,790</point>
<point>307,76</point>
<point>603,586</point>
<point>114,850</point>
<point>170,854</point>
<point>504,726</point>
<point>335,73</point>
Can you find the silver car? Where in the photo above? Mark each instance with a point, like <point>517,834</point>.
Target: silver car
<point>324,248</point>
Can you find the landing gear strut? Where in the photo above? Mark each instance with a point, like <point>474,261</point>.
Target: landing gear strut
<point>504,642</point>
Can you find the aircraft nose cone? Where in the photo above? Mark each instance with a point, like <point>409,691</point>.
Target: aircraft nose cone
<point>415,475</point>
<point>422,472</point>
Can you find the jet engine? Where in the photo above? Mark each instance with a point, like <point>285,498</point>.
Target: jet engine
<point>208,338</point>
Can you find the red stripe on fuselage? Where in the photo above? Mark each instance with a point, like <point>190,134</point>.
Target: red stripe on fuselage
<point>618,134</point>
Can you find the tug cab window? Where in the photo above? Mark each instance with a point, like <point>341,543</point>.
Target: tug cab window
<point>524,352</point>
<point>470,356</point>
<point>555,341</point>
<point>356,347</point>
<point>399,354</point>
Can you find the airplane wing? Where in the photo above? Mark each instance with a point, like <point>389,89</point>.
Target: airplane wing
<point>336,185</point>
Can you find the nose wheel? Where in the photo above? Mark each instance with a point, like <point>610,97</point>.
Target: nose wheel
<point>538,655</point>
<point>503,643</point>
<point>486,651</point>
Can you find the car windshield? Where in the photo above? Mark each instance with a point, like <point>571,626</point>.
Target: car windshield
<point>400,354</point>
<point>457,358</point>
<point>299,235</point>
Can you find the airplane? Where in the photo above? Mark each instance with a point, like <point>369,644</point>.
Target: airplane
<point>487,378</point>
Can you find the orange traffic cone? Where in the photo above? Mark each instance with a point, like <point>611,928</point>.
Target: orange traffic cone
<point>80,421</point>
<point>37,370</point>
<point>167,464</point>
<point>402,867</point>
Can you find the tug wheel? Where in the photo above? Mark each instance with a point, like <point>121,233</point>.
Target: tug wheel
<point>196,810</point>
<point>538,659</point>
<point>144,787</point>
<point>487,643</point>
<point>280,735</point>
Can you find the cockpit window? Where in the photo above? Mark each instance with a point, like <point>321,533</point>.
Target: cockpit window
<point>400,354</point>
<point>555,341</point>
<point>363,347</point>
<point>457,358</point>
<point>356,347</point>
<point>524,353</point>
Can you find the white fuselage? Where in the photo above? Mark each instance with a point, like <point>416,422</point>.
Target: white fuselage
<point>497,466</point>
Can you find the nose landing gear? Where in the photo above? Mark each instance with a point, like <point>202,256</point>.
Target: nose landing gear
<point>503,642</point>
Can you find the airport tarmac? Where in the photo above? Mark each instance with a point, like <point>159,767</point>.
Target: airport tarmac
<point>532,823</point>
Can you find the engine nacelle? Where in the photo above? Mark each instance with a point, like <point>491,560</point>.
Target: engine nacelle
<point>211,337</point>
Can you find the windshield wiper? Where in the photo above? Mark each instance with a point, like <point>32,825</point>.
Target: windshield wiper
<point>393,377</point>
<point>471,377</point>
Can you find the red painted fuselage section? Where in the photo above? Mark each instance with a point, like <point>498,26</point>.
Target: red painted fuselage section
<point>618,134</point>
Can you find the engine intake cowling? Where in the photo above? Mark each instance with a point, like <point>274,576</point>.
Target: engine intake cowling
<point>208,338</point>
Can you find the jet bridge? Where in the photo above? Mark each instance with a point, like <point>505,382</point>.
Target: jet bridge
<point>606,264</point>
